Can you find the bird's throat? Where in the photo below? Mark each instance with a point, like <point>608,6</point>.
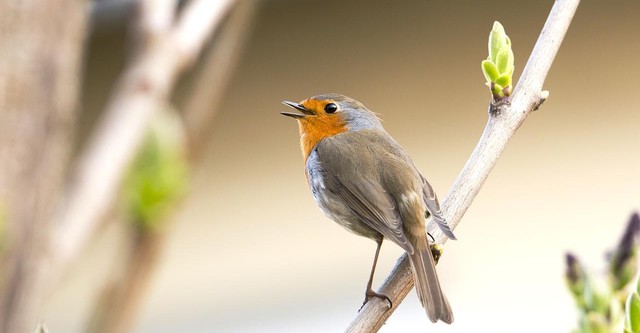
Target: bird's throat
<point>315,128</point>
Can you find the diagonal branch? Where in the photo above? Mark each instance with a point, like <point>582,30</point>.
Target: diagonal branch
<point>141,92</point>
<point>504,120</point>
<point>120,301</point>
<point>167,44</point>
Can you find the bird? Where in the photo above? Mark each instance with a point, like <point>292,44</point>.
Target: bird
<point>362,179</point>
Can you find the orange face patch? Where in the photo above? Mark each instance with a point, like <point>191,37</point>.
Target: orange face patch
<point>314,128</point>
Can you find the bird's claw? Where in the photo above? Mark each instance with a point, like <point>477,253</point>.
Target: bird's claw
<point>370,294</point>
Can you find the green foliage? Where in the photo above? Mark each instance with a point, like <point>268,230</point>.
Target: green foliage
<point>600,299</point>
<point>632,309</point>
<point>625,264</point>
<point>159,174</point>
<point>597,296</point>
<point>576,279</point>
<point>498,68</point>
<point>594,322</point>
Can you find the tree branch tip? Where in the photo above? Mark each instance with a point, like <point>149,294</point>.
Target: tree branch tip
<point>542,97</point>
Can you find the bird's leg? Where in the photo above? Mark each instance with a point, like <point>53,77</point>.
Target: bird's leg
<point>370,293</point>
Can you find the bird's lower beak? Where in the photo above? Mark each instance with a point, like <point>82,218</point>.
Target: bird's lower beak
<point>298,107</point>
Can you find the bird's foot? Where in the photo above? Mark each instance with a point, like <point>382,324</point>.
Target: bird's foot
<point>370,294</point>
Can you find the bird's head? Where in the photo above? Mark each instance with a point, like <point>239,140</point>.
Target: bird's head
<point>326,115</point>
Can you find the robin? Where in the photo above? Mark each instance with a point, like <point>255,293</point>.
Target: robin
<point>362,179</point>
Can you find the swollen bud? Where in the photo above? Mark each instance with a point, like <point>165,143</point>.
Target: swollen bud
<point>597,296</point>
<point>498,68</point>
<point>575,277</point>
<point>623,260</point>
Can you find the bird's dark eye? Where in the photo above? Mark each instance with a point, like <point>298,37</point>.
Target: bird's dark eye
<point>330,108</point>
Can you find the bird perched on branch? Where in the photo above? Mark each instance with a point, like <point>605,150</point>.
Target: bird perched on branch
<point>364,180</point>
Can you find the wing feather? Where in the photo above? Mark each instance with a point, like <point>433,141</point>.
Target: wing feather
<point>433,206</point>
<point>359,187</point>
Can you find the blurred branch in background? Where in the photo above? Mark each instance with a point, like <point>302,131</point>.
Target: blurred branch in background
<point>141,91</point>
<point>505,117</point>
<point>38,81</point>
<point>156,182</point>
<point>42,44</point>
<point>153,187</point>
<point>600,299</point>
<point>202,102</point>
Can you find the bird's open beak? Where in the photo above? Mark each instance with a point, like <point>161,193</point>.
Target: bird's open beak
<point>298,107</point>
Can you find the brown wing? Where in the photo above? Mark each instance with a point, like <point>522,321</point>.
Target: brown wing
<point>355,181</point>
<point>431,201</point>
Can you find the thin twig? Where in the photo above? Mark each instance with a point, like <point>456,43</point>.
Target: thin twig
<point>499,129</point>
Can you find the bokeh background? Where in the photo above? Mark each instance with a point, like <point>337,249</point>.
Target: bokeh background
<point>250,251</point>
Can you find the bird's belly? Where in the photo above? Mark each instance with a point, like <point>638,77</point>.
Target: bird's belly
<point>335,208</point>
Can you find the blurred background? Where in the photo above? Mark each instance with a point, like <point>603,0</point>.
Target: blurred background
<point>247,249</point>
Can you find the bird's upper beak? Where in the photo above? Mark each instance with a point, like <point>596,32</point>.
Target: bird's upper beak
<point>298,107</point>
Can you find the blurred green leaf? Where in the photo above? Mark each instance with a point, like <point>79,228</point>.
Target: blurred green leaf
<point>632,310</point>
<point>625,273</point>
<point>623,261</point>
<point>159,174</point>
<point>576,277</point>
<point>616,313</point>
<point>597,295</point>
<point>603,304</point>
<point>596,323</point>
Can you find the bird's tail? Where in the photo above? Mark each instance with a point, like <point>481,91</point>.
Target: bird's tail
<point>427,284</point>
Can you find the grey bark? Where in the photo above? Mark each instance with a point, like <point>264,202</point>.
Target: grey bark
<point>42,44</point>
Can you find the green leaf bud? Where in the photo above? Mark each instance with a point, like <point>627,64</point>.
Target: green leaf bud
<point>500,62</point>
<point>504,80</point>
<point>497,38</point>
<point>490,71</point>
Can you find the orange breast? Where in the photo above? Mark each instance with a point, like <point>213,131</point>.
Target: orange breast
<point>315,128</point>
